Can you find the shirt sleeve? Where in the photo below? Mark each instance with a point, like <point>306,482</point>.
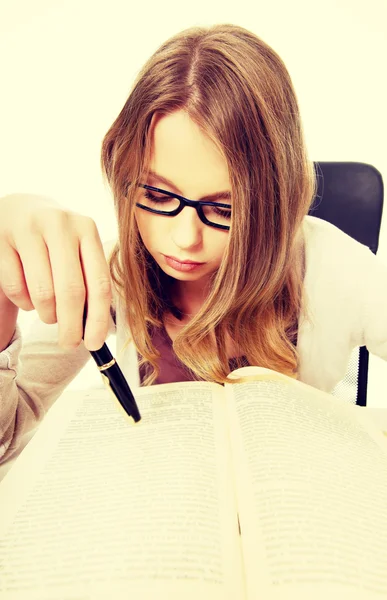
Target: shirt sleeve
<point>34,371</point>
<point>373,289</point>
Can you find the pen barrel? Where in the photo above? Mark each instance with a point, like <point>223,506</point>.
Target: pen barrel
<point>122,391</point>
<point>117,382</point>
<point>103,356</point>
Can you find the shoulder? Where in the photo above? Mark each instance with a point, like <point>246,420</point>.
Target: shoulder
<point>327,246</point>
<point>320,233</point>
<point>339,263</point>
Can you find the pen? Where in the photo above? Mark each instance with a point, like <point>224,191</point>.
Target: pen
<point>113,377</point>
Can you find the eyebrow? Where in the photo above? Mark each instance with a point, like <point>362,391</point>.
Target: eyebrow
<point>211,197</point>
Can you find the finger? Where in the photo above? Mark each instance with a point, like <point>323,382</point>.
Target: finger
<point>98,289</point>
<point>12,278</point>
<point>37,271</point>
<point>69,286</point>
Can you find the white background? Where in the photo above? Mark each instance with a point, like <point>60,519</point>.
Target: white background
<point>66,68</point>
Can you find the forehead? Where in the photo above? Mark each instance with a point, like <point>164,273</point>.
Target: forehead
<point>182,153</point>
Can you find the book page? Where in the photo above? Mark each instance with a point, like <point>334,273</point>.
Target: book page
<point>99,507</point>
<point>311,473</point>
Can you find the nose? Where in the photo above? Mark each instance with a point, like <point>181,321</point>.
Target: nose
<point>187,228</point>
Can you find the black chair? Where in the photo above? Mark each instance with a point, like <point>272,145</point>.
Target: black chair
<point>350,196</point>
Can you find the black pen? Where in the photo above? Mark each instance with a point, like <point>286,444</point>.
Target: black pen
<point>113,377</point>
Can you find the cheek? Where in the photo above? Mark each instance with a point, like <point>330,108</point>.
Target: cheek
<point>148,227</point>
<point>141,226</point>
<point>216,245</point>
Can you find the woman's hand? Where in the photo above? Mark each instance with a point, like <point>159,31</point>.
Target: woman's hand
<point>51,260</point>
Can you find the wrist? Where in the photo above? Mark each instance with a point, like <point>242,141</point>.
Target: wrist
<point>8,318</point>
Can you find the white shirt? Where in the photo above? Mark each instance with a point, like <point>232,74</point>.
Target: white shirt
<point>346,289</point>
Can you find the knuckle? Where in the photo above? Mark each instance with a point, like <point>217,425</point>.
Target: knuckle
<point>100,322</point>
<point>13,289</point>
<point>91,224</point>
<point>86,223</point>
<point>76,290</point>
<point>104,287</point>
<point>69,338</point>
<point>63,221</point>
<point>57,217</point>
<point>43,294</point>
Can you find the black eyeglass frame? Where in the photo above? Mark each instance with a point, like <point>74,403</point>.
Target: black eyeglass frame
<point>197,204</point>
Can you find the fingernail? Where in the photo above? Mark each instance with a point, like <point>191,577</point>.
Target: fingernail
<point>93,345</point>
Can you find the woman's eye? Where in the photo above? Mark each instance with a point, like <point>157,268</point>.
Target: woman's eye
<point>155,197</point>
<point>165,203</point>
<point>223,212</point>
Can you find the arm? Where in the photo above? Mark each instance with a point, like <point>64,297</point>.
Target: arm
<point>34,371</point>
<point>33,374</point>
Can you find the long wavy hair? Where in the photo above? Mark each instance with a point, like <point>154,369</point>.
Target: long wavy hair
<point>239,93</point>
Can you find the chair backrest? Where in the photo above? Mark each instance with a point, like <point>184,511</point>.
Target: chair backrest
<point>350,196</point>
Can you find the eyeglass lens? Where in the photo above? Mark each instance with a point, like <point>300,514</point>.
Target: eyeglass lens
<point>167,204</point>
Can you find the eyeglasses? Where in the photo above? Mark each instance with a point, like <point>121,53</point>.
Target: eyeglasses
<point>214,214</point>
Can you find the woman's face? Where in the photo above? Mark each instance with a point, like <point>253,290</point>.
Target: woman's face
<point>193,168</point>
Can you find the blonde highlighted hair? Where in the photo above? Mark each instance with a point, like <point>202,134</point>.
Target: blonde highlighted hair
<point>238,91</point>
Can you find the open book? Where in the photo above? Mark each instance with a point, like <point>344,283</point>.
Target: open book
<point>266,490</point>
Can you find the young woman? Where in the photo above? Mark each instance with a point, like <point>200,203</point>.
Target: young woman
<point>217,264</point>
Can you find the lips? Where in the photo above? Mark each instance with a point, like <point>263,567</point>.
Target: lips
<point>184,262</point>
